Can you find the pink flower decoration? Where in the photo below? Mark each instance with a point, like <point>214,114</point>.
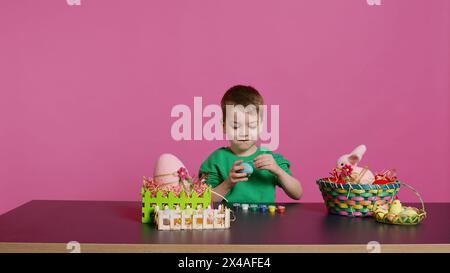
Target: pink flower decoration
<point>347,170</point>
<point>199,187</point>
<point>342,174</point>
<point>183,174</point>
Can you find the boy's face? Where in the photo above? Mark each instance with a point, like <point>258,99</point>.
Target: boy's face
<point>242,127</point>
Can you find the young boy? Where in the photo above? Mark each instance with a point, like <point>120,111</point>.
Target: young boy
<point>242,121</point>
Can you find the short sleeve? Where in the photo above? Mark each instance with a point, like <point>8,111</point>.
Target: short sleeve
<point>210,169</point>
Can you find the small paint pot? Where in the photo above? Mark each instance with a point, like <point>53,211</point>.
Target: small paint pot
<point>236,206</point>
<point>272,209</point>
<point>254,208</point>
<point>244,207</point>
<point>281,209</point>
<point>263,208</point>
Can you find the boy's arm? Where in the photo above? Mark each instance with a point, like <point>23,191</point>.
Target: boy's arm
<point>290,184</point>
<point>223,187</point>
<point>234,177</point>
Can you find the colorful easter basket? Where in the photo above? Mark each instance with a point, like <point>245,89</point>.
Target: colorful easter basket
<point>355,200</point>
<point>403,219</point>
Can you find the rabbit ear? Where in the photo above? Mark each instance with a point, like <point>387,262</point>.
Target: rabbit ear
<point>357,154</point>
<point>359,151</point>
<point>353,159</point>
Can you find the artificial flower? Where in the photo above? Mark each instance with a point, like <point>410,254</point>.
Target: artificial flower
<point>183,174</point>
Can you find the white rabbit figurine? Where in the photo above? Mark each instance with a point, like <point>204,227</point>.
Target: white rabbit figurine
<point>359,175</point>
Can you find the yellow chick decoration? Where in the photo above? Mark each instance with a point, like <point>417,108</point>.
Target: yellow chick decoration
<point>396,207</point>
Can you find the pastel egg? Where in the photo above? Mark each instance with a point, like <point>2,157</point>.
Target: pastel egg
<point>380,214</point>
<point>408,213</point>
<point>391,217</point>
<point>165,171</point>
<point>248,169</point>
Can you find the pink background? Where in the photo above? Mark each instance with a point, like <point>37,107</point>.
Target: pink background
<point>86,92</point>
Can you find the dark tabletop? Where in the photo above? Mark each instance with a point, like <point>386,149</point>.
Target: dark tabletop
<point>108,222</point>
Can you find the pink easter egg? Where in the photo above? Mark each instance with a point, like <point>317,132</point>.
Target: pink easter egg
<point>165,172</point>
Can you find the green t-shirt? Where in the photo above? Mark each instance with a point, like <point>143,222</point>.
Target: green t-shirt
<point>260,187</point>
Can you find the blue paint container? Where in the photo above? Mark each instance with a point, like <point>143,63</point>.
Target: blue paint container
<point>263,208</point>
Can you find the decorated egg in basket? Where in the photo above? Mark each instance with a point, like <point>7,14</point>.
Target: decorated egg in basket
<point>166,169</point>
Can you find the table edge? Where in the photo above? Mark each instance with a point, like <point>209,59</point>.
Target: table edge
<point>215,248</point>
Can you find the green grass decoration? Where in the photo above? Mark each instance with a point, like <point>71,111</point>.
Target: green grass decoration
<point>171,201</point>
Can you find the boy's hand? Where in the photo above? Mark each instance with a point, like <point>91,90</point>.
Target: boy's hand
<point>234,176</point>
<point>267,162</point>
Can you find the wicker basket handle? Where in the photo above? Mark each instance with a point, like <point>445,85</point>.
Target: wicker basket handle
<point>415,192</point>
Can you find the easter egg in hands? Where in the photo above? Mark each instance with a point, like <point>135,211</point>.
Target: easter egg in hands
<point>248,169</point>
